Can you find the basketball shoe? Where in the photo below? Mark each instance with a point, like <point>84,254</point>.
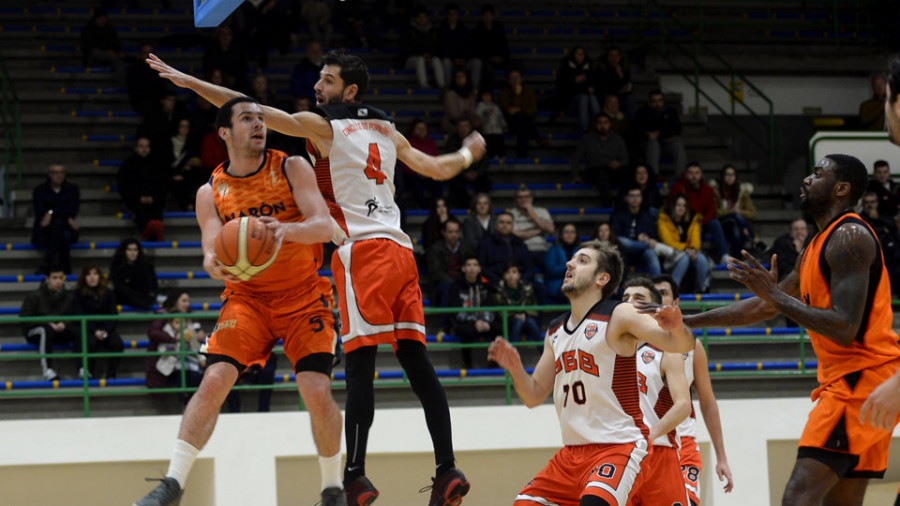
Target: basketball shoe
<point>333,496</point>
<point>167,493</point>
<point>361,492</point>
<point>448,489</point>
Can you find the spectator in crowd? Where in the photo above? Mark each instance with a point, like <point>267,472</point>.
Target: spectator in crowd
<point>255,375</point>
<point>614,78</point>
<point>637,231</point>
<point>519,104</point>
<point>438,214</point>
<point>420,50</point>
<point>454,42</point>
<point>576,86</point>
<point>512,291</point>
<point>491,47</point>
<point>419,188</point>
<point>100,45</point>
<point>162,122</point>
<point>493,125</point>
<point>475,176</point>
<point>212,152</point>
<point>497,249</point>
<point>702,201</point>
<point>886,230</point>
<point>619,122</point>
<point>604,155</point>
<point>175,333</point>
<point>459,102</point>
<point>290,144</point>
<point>263,25</point>
<point>604,232</point>
<point>659,130</point>
<point>317,14</point>
<point>142,185</point>
<point>444,259</point>
<point>182,153</point>
<point>93,296</point>
<point>887,190</point>
<point>480,222</point>
<point>50,299</point>
<point>260,90</point>
<point>55,204</point>
<point>871,111</point>
<point>532,225</point>
<point>736,210</point>
<point>643,178</point>
<point>473,290</point>
<point>133,276</point>
<point>555,262</point>
<point>681,230</point>
<point>788,247</point>
<point>202,116</point>
<point>145,87</point>
<point>224,54</point>
<point>306,73</point>
<point>360,22</point>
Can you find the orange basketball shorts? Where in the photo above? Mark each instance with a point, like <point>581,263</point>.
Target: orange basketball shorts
<point>691,466</point>
<point>608,471</point>
<point>833,434</point>
<point>380,300</point>
<point>662,482</point>
<point>250,325</point>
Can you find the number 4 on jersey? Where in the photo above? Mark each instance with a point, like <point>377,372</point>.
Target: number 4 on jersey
<point>373,165</point>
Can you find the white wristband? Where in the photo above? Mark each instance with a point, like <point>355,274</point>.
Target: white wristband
<point>467,156</point>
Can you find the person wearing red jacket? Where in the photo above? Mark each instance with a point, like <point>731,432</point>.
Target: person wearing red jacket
<point>702,200</point>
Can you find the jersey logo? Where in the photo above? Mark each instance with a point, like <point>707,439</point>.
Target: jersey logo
<point>647,356</point>
<point>222,189</point>
<point>372,204</point>
<point>591,330</point>
<point>362,112</point>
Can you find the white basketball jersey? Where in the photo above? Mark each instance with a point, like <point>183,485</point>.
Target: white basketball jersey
<point>687,427</point>
<point>595,390</point>
<point>357,177</point>
<point>655,397</point>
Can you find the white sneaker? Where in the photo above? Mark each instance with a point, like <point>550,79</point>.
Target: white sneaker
<point>725,258</point>
<point>50,375</point>
<point>663,249</point>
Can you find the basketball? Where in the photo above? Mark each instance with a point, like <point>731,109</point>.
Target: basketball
<point>245,247</point>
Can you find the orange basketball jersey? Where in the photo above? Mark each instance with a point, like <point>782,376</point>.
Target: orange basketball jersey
<point>267,192</point>
<point>876,342</point>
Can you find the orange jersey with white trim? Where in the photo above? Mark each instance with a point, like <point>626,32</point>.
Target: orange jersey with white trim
<point>267,192</point>
<point>875,342</point>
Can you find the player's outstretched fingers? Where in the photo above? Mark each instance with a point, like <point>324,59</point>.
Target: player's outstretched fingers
<point>754,263</point>
<point>645,307</point>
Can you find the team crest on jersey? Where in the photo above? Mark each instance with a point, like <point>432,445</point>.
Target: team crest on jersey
<point>362,112</point>
<point>222,188</point>
<point>647,356</point>
<point>591,330</point>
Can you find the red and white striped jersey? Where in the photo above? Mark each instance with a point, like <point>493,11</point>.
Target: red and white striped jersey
<point>655,397</point>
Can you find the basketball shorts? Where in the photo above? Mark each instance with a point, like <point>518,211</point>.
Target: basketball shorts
<point>691,466</point>
<point>833,434</point>
<point>608,471</point>
<point>380,300</point>
<point>663,484</point>
<point>250,325</point>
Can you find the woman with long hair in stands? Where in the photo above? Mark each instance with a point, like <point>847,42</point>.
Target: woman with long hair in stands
<point>133,276</point>
<point>93,296</point>
<point>681,230</point>
<point>735,209</point>
<point>555,262</point>
<point>165,335</point>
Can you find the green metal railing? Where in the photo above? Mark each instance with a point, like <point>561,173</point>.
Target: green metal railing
<point>11,127</point>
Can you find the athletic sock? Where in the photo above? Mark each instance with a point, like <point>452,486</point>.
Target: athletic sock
<point>183,456</point>
<point>443,468</point>
<point>330,468</point>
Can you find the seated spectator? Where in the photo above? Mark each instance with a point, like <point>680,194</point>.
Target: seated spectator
<point>604,232</point>
<point>202,117</point>
<point>519,104</point>
<point>438,214</point>
<point>788,247</point>
<point>532,225</point>
<point>182,154</point>
<point>459,103</point>
<point>317,15</point>
<point>306,73</point>
<point>885,188</point>
<point>888,236</point>
<point>419,47</point>
<point>614,78</point>
<point>260,90</point>
<point>175,334</point>
<point>493,125</point>
<point>212,152</point>
<point>473,290</point>
<point>682,231</point>
<point>702,201</point>
<point>50,299</point>
<point>604,156</point>
<point>512,291</point>
<point>161,122</point>
<point>643,178</point>
<point>145,87</point>
<point>255,375</point>
<point>480,222</point>
<point>501,247</point>
<point>637,232</point>
<point>475,176</point>
<point>576,86</point>
<point>555,262</point>
<point>454,46</point>
<point>659,131</point>
<point>100,45</point>
<point>871,111</point>
<point>142,185</point>
<point>290,144</point>
<point>619,122</point>
<point>409,182</point>
<point>444,260</point>
<point>223,53</point>
<point>491,47</point>
<point>735,210</point>
<point>133,276</point>
<point>55,205</point>
<point>93,296</point>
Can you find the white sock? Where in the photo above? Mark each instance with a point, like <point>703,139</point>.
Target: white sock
<point>183,456</point>
<point>330,467</point>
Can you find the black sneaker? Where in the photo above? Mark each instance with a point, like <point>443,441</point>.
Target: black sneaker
<point>333,496</point>
<point>167,493</point>
<point>448,489</point>
<point>361,492</point>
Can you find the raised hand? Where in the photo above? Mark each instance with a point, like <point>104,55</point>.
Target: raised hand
<point>504,353</point>
<point>759,280</point>
<point>475,142</point>
<point>166,71</point>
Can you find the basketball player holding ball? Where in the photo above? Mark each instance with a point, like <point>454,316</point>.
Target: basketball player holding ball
<point>286,301</point>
